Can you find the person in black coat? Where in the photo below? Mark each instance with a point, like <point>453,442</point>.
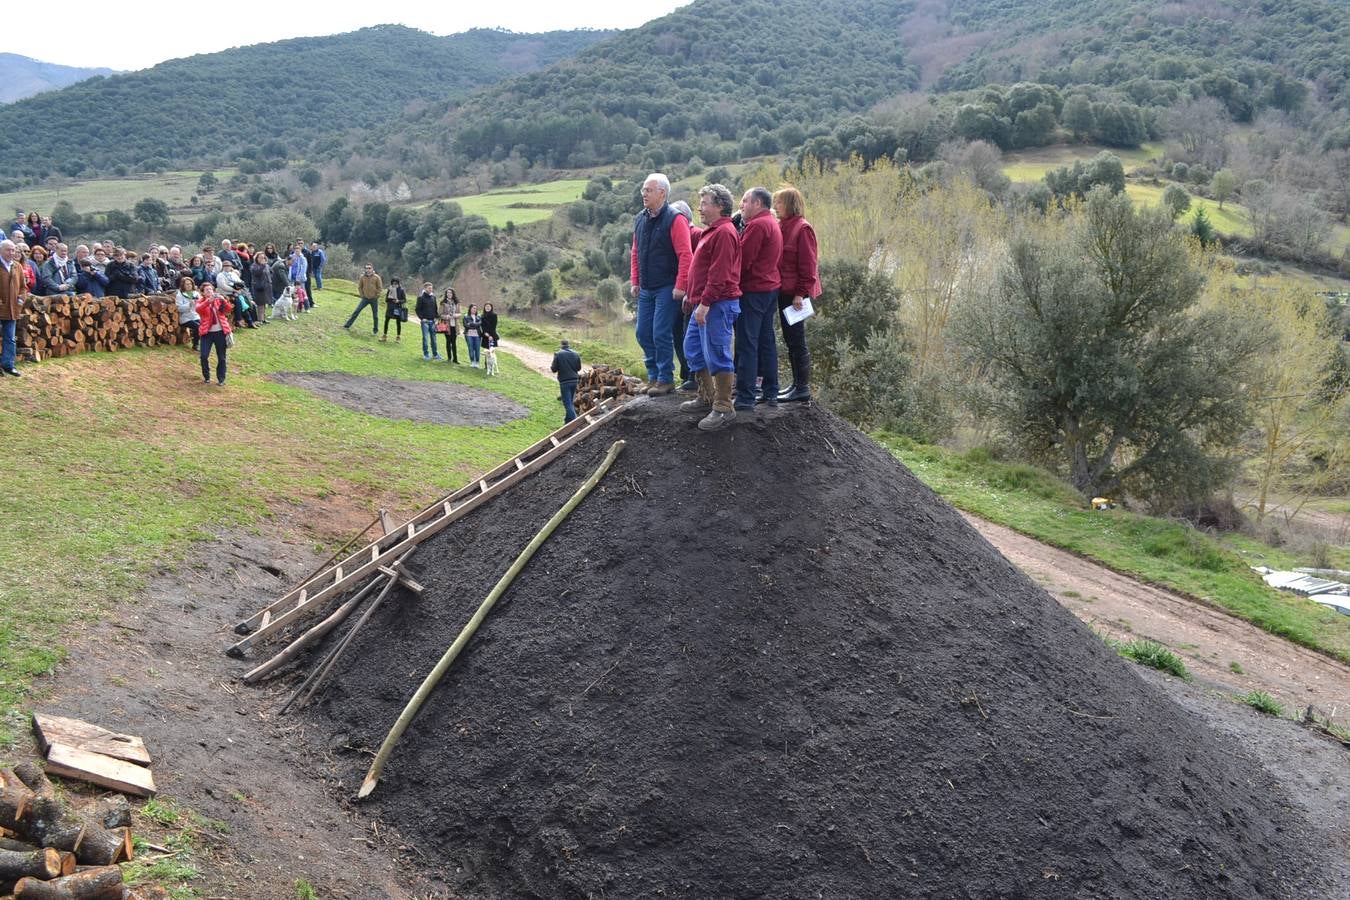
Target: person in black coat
<point>123,279</point>
<point>567,363</point>
<point>489,325</point>
<point>427,311</point>
<point>395,309</point>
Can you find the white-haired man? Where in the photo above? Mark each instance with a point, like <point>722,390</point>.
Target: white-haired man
<point>13,287</point>
<point>660,275</point>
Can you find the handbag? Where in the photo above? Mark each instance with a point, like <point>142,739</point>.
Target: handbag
<point>229,339</point>
<point>442,328</point>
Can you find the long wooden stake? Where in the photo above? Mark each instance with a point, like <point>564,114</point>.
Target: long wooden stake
<point>430,682</point>
<point>313,635</point>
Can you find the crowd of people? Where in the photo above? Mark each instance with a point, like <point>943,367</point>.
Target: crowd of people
<point>440,319</point>
<point>709,295</point>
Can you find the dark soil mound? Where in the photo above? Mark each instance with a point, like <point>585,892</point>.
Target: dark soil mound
<point>770,663</point>
<point>437,402</point>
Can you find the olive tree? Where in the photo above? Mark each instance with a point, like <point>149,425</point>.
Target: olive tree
<point>1101,361</point>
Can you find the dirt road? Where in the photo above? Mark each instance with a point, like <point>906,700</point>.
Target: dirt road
<point>1209,640</point>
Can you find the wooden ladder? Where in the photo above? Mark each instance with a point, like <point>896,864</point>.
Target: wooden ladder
<point>311,596</point>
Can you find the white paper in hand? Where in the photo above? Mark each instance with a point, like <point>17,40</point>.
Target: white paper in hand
<point>792,315</point>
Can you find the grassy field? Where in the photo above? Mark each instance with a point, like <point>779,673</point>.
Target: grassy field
<point>102,194</point>
<point>522,204</point>
<point>131,459</point>
<point>1159,551</point>
<point>1031,165</point>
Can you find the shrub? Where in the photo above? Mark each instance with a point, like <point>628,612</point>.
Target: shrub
<point>1155,656</point>
<point>1263,703</point>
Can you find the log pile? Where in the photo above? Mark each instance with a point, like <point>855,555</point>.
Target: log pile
<point>602,382</point>
<point>61,326</point>
<point>48,850</point>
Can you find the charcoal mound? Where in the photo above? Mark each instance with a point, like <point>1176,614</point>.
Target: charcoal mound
<point>768,662</point>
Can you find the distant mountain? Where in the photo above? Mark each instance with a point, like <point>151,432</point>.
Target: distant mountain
<point>21,76</point>
<point>298,96</point>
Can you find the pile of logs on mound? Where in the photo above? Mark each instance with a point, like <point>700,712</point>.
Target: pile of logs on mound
<point>50,852</point>
<point>60,326</point>
<point>602,382</point>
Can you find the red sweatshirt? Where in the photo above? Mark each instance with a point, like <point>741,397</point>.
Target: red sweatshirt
<point>715,273</point>
<point>761,248</point>
<point>798,265</point>
<point>679,240</point>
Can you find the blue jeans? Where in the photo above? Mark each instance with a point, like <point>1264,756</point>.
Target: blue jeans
<point>708,348</point>
<point>318,277</point>
<point>475,342</point>
<point>9,350</point>
<point>374,314</point>
<point>568,390</point>
<point>429,334</point>
<point>756,346</point>
<point>657,313</point>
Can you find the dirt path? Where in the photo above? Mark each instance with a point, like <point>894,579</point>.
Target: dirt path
<point>532,358</point>
<point>1208,640</point>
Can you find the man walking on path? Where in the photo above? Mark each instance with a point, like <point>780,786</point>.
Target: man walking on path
<point>567,363</point>
<point>660,272</point>
<point>714,286</point>
<point>13,287</point>
<point>370,287</point>
<point>756,343</point>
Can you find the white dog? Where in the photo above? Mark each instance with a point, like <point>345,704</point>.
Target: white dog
<point>284,307</point>
<point>490,360</point>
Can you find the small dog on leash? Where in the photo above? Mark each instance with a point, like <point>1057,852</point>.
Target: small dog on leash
<point>284,307</point>
<point>490,359</point>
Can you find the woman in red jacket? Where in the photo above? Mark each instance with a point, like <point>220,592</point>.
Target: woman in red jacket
<point>800,280</point>
<point>216,313</point>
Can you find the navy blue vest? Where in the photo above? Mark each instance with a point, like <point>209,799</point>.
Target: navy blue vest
<point>657,264</point>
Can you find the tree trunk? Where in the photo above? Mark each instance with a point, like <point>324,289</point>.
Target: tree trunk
<point>102,883</point>
<point>16,864</point>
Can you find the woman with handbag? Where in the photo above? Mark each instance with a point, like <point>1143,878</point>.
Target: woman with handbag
<point>215,313</point>
<point>447,322</point>
<point>395,310</point>
<point>490,324</point>
<point>473,333</point>
<point>427,314</point>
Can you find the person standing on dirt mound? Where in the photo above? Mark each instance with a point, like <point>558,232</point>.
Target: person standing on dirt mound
<point>756,344</point>
<point>567,363</point>
<point>800,282</point>
<point>369,289</point>
<point>660,272</point>
<point>715,288</point>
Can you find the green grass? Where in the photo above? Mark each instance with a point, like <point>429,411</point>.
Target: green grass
<point>1159,551</point>
<point>592,352</point>
<point>103,194</point>
<point>1264,703</point>
<point>1154,655</point>
<point>1236,668</point>
<point>1232,220</point>
<point>1030,166</point>
<point>131,460</point>
<point>522,204</point>
<point>304,890</point>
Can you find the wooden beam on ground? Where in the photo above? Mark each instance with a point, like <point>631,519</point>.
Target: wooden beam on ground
<point>84,736</point>
<point>95,768</point>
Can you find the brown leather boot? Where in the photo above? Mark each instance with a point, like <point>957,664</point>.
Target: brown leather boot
<point>705,394</point>
<point>660,388</point>
<point>723,411</point>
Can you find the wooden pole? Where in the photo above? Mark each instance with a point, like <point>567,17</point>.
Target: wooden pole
<point>311,636</point>
<point>430,682</point>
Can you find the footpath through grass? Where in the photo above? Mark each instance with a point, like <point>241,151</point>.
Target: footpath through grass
<point>123,460</point>
<point>1160,551</point>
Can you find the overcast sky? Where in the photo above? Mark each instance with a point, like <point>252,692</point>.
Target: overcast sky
<point>137,36</point>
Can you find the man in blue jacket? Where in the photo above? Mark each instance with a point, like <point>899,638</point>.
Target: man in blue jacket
<point>567,363</point>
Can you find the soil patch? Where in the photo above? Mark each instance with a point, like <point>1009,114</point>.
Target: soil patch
<point>437,402</point>
<point>770,662</point>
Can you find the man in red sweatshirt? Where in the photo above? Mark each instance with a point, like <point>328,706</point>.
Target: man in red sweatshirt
<point>756,344</point>
<point>715,289</point>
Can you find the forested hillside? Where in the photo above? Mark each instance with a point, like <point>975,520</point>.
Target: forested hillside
<point>22,77</point>
<point>752,71</point>
<point>294,98</point>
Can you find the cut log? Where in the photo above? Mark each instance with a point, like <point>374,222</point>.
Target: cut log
<point>68,862</point>
<point>71,762</point>
<point>104,846</point>
<point>14,802</point>
<point>15,844</point>
<point>102,883</point>
<point>16,864</point>
<point>113,812</point>
<point>32,776</point>
<point>84,736</point>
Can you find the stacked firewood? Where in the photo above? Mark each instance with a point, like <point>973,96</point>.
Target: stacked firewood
<point>602,382</point>
<point>47,850</point>
<point>60,326</point>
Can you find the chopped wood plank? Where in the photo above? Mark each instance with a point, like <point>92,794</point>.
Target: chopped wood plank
<point>85,736</point>
<point>519,464</point>
<point>482,485</point>
<point>95,768</point>
<point>385,522</point>
<point>267,618</point>
<point>339,573</point>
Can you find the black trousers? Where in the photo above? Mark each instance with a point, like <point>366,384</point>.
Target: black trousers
<point>681,327</point>
<point>794,336</point>
<point>391,316</point>
<point>213,339</point>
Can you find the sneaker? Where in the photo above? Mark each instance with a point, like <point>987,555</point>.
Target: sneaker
<point>437,358</point>
<point>742,406</point>
<point>689,386</point>
<point>716,420</point>
<point>428,356</point>
<point>384,338</point>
